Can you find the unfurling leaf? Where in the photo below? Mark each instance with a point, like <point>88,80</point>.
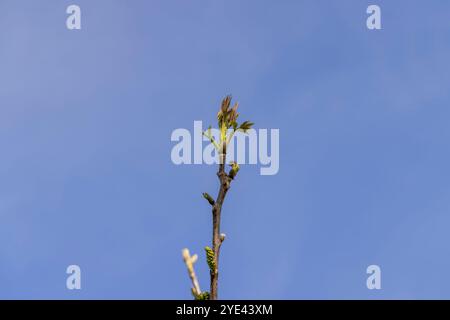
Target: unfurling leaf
<point>210,259</point>
<point>246,125</point>
<point>233,113</point>
<point>225,104</point>
<point>209,198</point>
<point>226,117</point>
<point>207,133</point>
<point>219,119</point>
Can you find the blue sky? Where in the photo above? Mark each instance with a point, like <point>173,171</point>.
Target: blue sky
<point>86,176</point>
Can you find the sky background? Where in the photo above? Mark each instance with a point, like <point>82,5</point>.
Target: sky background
<point>86,176</point>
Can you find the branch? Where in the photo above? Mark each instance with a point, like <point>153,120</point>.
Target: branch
<point>218,238</point>
<point>227,119</point>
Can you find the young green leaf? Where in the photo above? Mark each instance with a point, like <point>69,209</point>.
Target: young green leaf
<point>210,259</point>
<point>246,125</point>
<point>203,296</point>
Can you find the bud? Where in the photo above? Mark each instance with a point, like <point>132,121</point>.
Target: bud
<point>209,198</point>
<point>234,170</point>
<point>210,259</point>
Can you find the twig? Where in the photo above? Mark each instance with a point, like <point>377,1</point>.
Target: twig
<point>189,261</point>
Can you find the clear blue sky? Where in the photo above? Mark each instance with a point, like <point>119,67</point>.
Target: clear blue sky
<point>85,170</point>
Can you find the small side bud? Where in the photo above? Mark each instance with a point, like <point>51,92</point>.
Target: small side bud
<point>234,170</point>
<point>222,237</point>
<point>209,198</point>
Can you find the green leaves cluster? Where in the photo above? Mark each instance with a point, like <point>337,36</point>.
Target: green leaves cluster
<point>227,119</point>
<point>202,296</point>
<point>227,116</point>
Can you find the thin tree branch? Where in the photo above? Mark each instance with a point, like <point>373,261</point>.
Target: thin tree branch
<point>217,237</point>
<point>226,118</point>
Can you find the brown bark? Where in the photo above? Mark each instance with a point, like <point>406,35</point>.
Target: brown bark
<point>216,213</point>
